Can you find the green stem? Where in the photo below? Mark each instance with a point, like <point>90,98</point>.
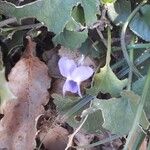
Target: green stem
<point>130,69</point>
<point>123,44</point>
<point>139,111</point>
<point>138,46</point>
<point>134,46</point>
<point>108,56</point>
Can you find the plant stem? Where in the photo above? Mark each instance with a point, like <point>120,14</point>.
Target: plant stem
<point>38,25</point>
<point>134,46</point>
<point>70,141</point>
<point>123,44</point>
<point>138,46</point>
<point>108,56</point>
<point>102,37</point>
<point>130,69</point>
<point>139,111</point>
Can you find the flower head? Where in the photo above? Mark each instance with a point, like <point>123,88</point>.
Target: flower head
<point>74,75</point>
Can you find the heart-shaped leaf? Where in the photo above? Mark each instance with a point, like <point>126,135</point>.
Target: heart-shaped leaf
<point>107,82</point>
<point>119,113</point>
<point>64,104</point>
<point>70,39</point>
<point>90,48</point>
<point>137,87</point>
<point>140,24</point>
<point>53,13</point>
<point>119,11</point>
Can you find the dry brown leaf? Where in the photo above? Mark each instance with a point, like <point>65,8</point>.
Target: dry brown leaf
<point>83,139</point>
<point>29,82</point>
<point>54,139</point>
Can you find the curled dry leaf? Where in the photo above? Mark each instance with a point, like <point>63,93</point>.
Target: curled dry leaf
<point>55,138</point>
<point>29,82</point>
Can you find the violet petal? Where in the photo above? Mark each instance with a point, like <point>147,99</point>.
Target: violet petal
<point>66,66</point>
<point>81,73</point>
<point>71,86</point>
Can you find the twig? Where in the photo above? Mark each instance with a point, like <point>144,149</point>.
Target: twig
<point>101,36</point>
<point>38,25</point>
<point>70,141</point>
<point>108,56</point>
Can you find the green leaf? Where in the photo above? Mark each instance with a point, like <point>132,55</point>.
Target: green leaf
<point>5,93</point>
<point>71,39</point>
<point>53,13</point>
<point>137,87</point>
<point>118,12</point>
<point>140,24</point>
<point>88,48</point>
<point>107,82</point>
<point>72,25</point>
<point>119,113</point>
<point>78,14</point>
<point>64,104</point>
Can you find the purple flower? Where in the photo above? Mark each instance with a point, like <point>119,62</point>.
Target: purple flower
<point>74,75</point>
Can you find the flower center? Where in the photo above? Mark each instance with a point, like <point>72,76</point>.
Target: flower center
<point>72,83</point>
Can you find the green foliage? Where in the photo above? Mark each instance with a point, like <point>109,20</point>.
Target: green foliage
<point>137,87</point>
<point>119,113</point>
<point>71,39</point>
<point>65,104</point>
<point>140,24</point>
<point>107,82</point>
<point>53,13</point>
<point>73,23</point>
<point>78,14</point>
<point>118,12</point>
<point>89,48</point>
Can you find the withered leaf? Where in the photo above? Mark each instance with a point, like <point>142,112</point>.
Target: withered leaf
<point>55,138</point>
<point>29,82</point>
